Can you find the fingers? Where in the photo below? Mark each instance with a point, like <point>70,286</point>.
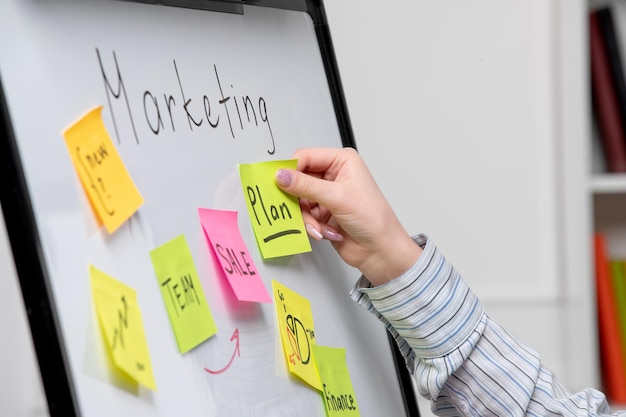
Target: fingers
<point>305,186</point>
<point>314,181</point>
<point>313,231</point>
<point>323,231</point>
<point>331,234</point>
<point>324,160</point>
<point>315,223</point>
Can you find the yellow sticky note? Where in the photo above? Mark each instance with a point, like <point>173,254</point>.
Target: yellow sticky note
<point>275,215</point>
<point>121,323</point>
<point>337,391</point>
<point>111,192</point>
<point>184,299</point>
<point>295,322</point>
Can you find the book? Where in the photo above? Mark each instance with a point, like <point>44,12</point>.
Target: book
<point>618,273</point>
<point>608,28</point>
<point>611,358</point>
<point>605,102</point>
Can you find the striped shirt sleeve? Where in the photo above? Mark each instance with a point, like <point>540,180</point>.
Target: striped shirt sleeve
<point>462,360</point>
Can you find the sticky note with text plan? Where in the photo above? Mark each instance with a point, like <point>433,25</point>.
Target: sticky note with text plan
<point>275,216</point>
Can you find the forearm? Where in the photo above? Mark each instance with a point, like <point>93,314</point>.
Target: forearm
<point>462,359</point>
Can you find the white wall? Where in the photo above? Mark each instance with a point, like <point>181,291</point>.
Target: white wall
<point>452,104</point>
<point>455,108</point>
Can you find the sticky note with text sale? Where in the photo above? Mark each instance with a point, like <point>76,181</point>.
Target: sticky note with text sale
<point>184,299</point>
<point>222,233</point>
<point>122,326</point>
<point>275,215</point>
<point>111,191</point>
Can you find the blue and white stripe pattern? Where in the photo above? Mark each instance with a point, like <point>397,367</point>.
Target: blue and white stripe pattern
<point>462,360</point>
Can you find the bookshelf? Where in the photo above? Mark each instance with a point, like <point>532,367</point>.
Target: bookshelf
<point>603,183</point>
<point>607,191</point>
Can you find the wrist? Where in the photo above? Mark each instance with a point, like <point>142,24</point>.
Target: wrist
<point>391,262</point>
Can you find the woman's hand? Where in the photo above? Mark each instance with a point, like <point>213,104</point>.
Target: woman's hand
<point>342,203</point>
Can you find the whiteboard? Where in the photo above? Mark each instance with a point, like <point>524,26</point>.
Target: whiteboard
<point>154,68</point>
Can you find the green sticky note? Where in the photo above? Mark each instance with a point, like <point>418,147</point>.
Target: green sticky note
<point>337,391</point>
<point>275,215</point>
<point>182,293</point>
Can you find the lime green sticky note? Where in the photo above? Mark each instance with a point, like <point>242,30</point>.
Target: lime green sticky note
<point>121,323</point>
<point>275,215</point>
<point>295,322</point>
<point>337,391</point>
<point>184,299</point>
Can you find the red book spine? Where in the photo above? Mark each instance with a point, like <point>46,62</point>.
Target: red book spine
<point>605,100</point>
<point>611,359</point>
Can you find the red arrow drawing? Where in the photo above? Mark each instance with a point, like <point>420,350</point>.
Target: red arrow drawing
<point>235,337</point>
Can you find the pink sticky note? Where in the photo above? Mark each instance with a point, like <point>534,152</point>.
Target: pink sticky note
<point>223,234</point>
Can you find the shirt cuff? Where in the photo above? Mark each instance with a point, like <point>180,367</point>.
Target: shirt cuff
<point>429,310</point>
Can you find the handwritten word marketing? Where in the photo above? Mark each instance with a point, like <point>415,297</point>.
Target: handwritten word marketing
<point>163,111</point>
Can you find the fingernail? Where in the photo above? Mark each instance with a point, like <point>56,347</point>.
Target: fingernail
<point>283,177</point>
<point>313,232</point>
<point>332,235</point>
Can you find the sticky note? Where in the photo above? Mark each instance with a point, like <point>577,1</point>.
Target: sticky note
<point>223,235</point>
<point>122,326</point>
<point>109,187</point>
<point>188,311</point>
<point>275,215</point>
<point>295,323</point>
<point>337,390</point>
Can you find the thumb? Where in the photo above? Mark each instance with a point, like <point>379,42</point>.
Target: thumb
<point>303,185</point>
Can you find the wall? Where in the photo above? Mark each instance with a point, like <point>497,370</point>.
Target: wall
<point>459,109</point>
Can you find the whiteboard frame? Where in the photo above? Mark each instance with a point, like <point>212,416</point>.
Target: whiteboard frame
<point>26,244</point>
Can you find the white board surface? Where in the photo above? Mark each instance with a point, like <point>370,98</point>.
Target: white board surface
<point>53,70</point>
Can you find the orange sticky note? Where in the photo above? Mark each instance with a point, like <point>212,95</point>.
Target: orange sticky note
<point>222,232</point>
<point>110,189</point>
<point>122,326</point>
<point>275,215</point>
<point>295,322</point>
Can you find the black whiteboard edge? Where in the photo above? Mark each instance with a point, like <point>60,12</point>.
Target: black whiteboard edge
<point>327,50</point>
<point>324,38</point>
<point>33,280</point>
<point>229,6</point>
<point>405,379</point>
<point>225,6</point>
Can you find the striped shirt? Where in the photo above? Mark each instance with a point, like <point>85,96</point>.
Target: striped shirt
<point>464,362</point>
